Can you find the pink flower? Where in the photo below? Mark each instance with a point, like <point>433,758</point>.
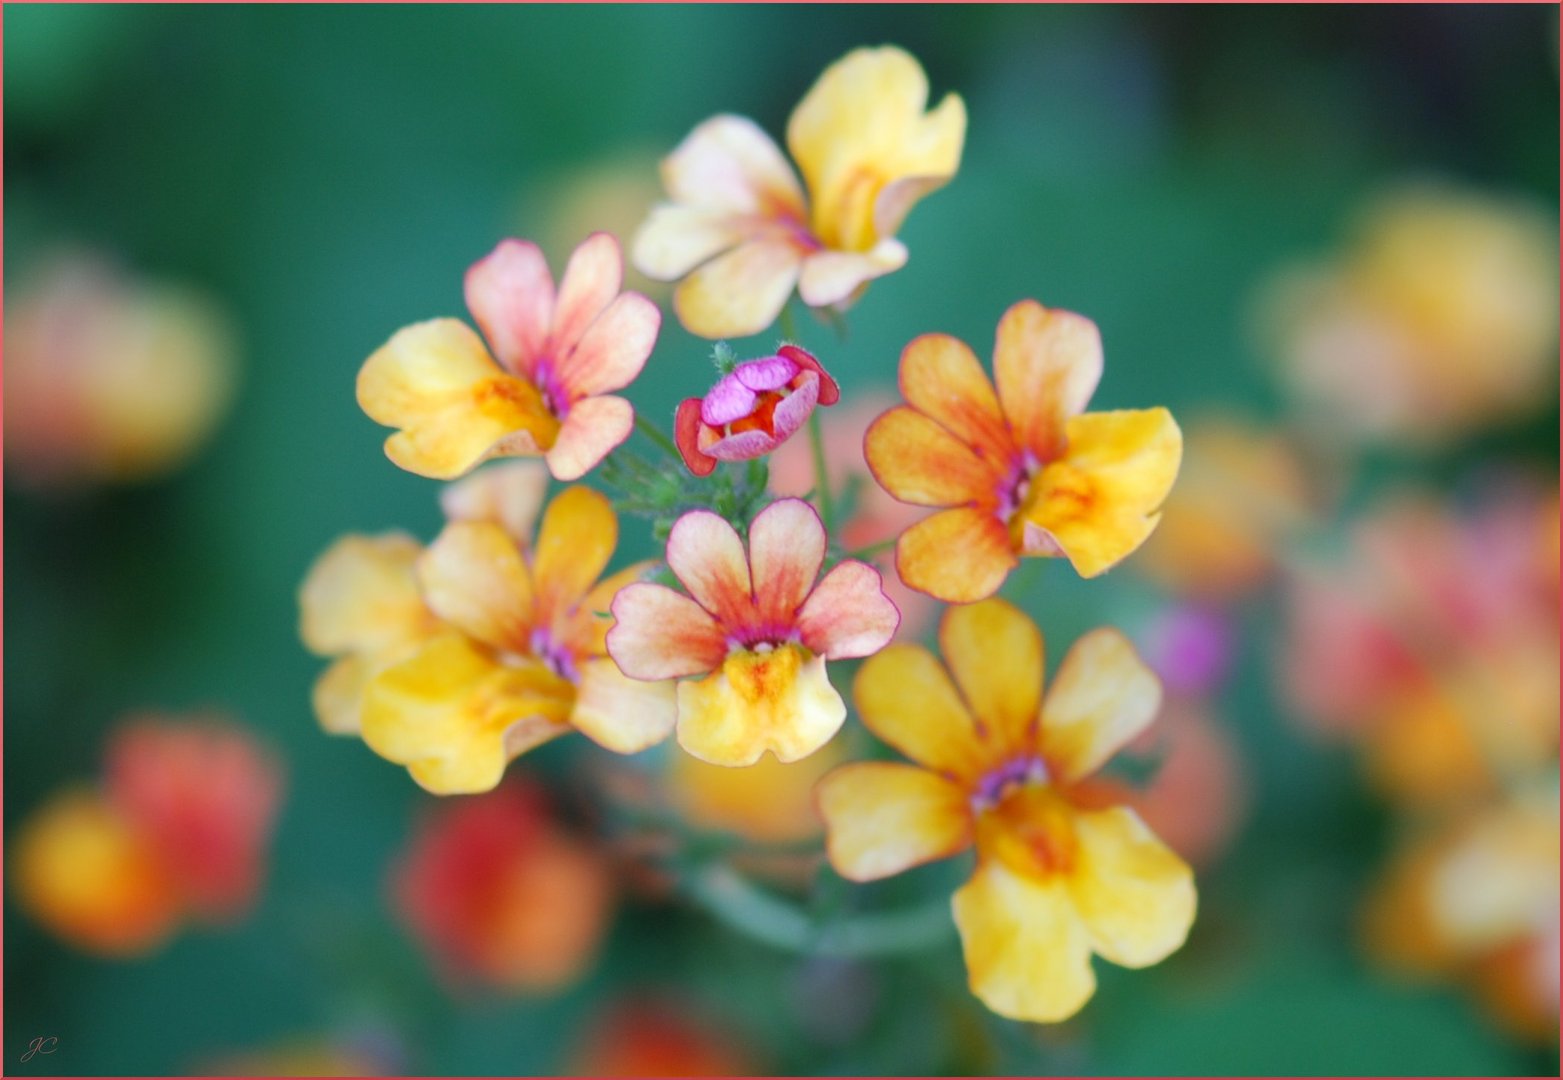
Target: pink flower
<point>752,409</point>
<point>758,627</point>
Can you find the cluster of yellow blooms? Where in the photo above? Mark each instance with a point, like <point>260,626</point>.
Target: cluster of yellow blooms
<point>454,658</point>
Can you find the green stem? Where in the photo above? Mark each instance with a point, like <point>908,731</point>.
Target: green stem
<point>654,433</point>
<point>784,321</point>
<point>827,507</point>
<point>865,553</point>
<point>740,904</point>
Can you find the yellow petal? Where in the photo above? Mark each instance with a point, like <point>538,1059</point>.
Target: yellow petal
<point>623,714</point>
<point>995,653</point>
<point>727,163</point>
<point>455,716</point>
<point>436,382</point>
<point>904,697</point>
<point>1102,697</point>
<point>509,494</point>
<point>836,278</point>
<point>84,872</point>
<point>361,593</point>
<point>1134,895</point>
<point>676,239</point>
<point>338,694</point>
<point>574,544</point>
<point>1028,955</point>
<point>1047,365</point>
<point>780,701</point>
<point>473,577</point>
<point>958,556</point>
<point>942,378</point>
<point>1097,504</point>
<point>739,293</point>
<point>883,818</point>
<point>918,461</point>
<point>861,128</point>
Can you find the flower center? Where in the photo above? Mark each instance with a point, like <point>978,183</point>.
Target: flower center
<point>552,653</point>
<point>1002,781</point>
<point>1015,492</point>
<point>1025,820</point>
<point>555,399</point>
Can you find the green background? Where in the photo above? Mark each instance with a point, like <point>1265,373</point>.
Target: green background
<point>328,173</point>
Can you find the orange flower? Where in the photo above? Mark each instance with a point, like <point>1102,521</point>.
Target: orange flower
<point>560,356</point>
<point>740,227</point>
<point>658,1038</point>
<point>758,627</point>
<point>1024,471</point>
<point>178,829</point>
<point>521,659</point>
<point>999,765</point>
<point>496,891</point>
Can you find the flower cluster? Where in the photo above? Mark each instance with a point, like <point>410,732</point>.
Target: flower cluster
<point>453,659</point>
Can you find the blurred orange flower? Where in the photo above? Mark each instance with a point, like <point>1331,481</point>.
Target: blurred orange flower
<point>1025,470</point>
<point>657,1037</point>
<point>740,230</point>
<point>998,765</point>
<point>559,358</point>
<point>1440,316</point>
<point>497,891</point>
<point>179,828</point>
<point>109,378</point>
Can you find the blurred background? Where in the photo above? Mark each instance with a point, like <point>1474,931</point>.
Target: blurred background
<point>1325,237</point>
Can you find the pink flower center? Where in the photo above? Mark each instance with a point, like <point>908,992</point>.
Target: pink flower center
<point>558,658</point>
<point>555,398</point>
<point>1015,773</point>
<point>1015,490</point>
<point>762,639</point>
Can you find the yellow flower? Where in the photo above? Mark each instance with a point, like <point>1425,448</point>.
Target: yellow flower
<point>560,355</point>
<point>740,230</point>
<point>1020,469</point>
<point>522,659</point>
<point>1057,878</point>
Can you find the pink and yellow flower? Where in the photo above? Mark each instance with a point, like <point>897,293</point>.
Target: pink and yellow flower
<point>1000,766</point>
<point>522,660</point>
<point>179,829</point>
<point>741,232</point>
<point>497,892</point>
<point>1021,471</point>
<point>758,627</point>
<point>752,409</point>
<point>560,355</point>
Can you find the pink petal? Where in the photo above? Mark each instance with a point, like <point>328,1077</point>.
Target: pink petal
<point>767,373</point>
<point>728,400</point>
<point>706,555</point>
<point>848,614</point>
<point>511,295</point>
<point>660,634</point>
<point>591,280</point>
<point>829,392</point>
<point>589,433</point>
<point>686,434</point>
<point>786,551</point>
<point>794,409</point>
<point>742,446</point>
<point>613,350</point>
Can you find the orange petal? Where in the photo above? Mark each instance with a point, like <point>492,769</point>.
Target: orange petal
<point>361,594</point>
<point>835,278</point>
<point>905,697</point>
<point>1134,895</point>
<point>510,293</point>
<point>574,544</point>
<point>1097,504</point>
<point>1102,697</point>
<point>942,379</point>
<point>739,293</point>
<point>456,408</point>
<point>1047,365</point>
<point>786,551</point>
<point>995,653</point>
<point>509,495</point>
<point>591,431</point>
<point>1028,955</point>
<point>473,577</point>
<point>727,163</point>
<point>919,462</point>
<point>706,555</point>
<point>622,714</point>
<point>957,556</point>
<point>883,818</point>
<point>591,280</point>
<point>613,350</point>
<point>780,700</point>
<point>455,716</point>
<point>661,634</point>
<point>848,615</point>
